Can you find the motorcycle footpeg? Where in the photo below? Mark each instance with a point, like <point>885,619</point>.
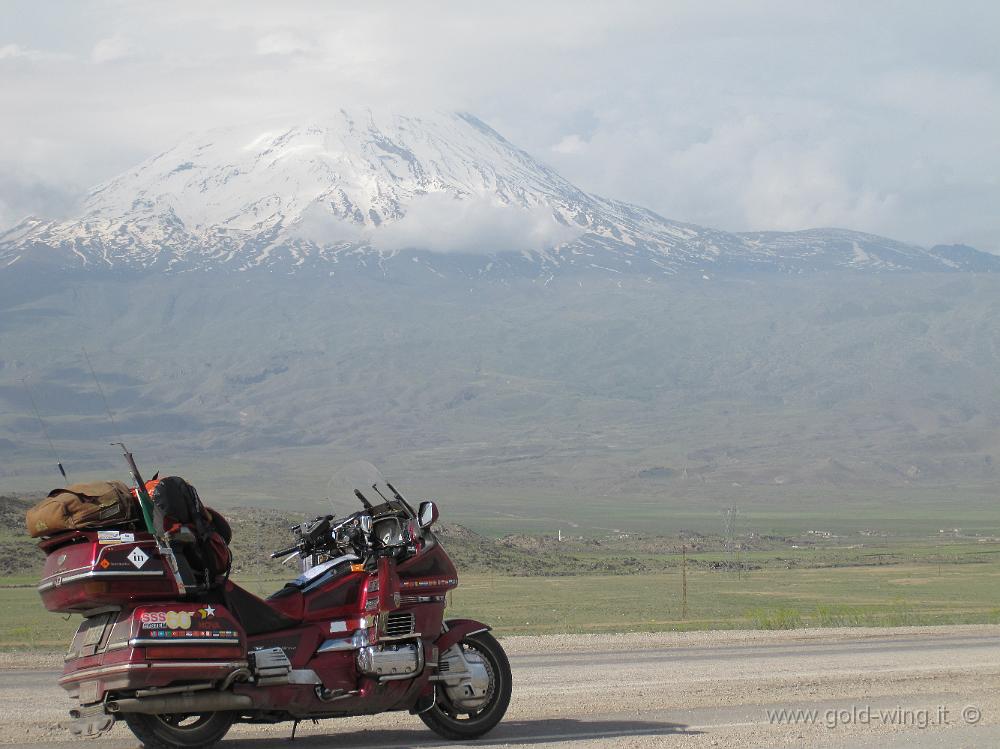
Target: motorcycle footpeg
<point>332,695</point>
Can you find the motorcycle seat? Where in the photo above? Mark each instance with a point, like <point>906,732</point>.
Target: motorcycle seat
<point>259,617</point>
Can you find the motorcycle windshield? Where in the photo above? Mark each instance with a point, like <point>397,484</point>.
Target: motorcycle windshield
<point>360,475</point>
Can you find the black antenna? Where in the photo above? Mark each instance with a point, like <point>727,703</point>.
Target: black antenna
<point>399,497</point>
<point>375,487</point>
<point>107,408</point>
<point>45,430</point>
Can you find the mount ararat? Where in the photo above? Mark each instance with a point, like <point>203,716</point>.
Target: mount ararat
<point>393,195</point>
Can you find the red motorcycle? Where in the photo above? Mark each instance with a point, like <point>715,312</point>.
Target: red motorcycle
<point>361,631</point>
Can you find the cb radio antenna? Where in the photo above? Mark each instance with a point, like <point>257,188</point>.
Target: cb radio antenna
<point>45,431</point>
<point>104,398</point>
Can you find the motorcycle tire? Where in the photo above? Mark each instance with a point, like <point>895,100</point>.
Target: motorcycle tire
<point>179,731</point>
<point>451,724</point>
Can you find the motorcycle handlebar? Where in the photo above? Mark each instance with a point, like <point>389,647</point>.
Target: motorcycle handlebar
<point>346,521</point>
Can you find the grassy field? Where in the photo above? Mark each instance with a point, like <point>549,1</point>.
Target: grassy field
<point>764,599</point>
<point>939,585</point>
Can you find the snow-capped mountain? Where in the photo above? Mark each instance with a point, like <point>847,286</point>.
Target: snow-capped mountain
<point>360,191</point>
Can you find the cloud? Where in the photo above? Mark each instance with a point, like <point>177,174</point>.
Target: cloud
<point>479,225</point>
<point>572,143</point>
<point>20,52</point>
<point>23,194</point>
<point>757,173</point>
<point>282,43</point>
<point>319,226</point>
<point>112,48</point>
<point>790,186</point>
<point>16,51</point>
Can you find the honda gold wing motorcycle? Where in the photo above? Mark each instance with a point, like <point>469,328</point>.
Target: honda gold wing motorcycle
<point>362,630</point>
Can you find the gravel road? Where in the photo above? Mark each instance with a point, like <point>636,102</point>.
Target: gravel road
<point>912,687</point>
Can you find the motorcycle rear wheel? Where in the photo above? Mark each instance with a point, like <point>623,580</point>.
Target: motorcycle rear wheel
<point>449,723</point>
<point>179,731</point>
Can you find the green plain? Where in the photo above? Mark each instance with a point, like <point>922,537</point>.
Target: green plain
<point>945,584</point>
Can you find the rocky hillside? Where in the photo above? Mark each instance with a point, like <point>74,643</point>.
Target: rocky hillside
<point>258,531</point>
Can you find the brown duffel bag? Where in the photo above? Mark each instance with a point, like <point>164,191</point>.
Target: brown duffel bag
<point>93,505</point>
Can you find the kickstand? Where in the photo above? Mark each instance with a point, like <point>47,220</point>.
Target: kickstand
<point>295,725</point>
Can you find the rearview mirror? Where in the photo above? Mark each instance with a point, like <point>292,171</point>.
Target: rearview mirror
<point>427,514</point>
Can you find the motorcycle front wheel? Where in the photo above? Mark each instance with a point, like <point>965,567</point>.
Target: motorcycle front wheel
<point>451,722</point>
<point>179,731</point>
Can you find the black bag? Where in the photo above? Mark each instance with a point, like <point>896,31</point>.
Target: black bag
<point>179,512</point>
<point>176,504</point>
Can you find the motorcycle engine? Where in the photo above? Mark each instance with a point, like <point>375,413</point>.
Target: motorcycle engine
<point>389,660</point>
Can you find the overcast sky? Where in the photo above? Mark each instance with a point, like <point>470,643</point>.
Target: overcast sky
<point>883,117</point>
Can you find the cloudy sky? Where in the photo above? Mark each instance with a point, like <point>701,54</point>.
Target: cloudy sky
<point>882,117</point>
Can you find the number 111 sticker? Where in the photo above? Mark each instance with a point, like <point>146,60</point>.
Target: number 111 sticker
<point>138,557</point>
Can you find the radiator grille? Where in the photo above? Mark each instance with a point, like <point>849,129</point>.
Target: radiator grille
<point>399,624</point>
<point>410,600</point>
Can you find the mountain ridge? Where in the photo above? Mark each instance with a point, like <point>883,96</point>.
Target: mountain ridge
<point>439,195</point>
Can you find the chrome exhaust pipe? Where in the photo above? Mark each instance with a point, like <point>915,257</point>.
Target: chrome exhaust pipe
<point>187,702</point>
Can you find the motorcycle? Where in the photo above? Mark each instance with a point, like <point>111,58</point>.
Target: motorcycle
<point>362,630</point>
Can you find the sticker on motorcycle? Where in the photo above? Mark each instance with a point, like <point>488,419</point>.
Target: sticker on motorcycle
<point>166,619</point>
<point>174,619</point>
<point>179,620</point>
<point>138,557</point>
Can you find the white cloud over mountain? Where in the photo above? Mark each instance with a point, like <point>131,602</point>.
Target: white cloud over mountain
<point>440,223</point>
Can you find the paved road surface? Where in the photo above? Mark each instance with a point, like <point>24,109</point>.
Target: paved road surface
<point>932,687</point>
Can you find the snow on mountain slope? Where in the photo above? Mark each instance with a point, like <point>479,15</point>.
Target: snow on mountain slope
<point>360,190</point>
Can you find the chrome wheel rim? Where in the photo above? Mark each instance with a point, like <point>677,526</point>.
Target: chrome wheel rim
<point>487,702</point>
